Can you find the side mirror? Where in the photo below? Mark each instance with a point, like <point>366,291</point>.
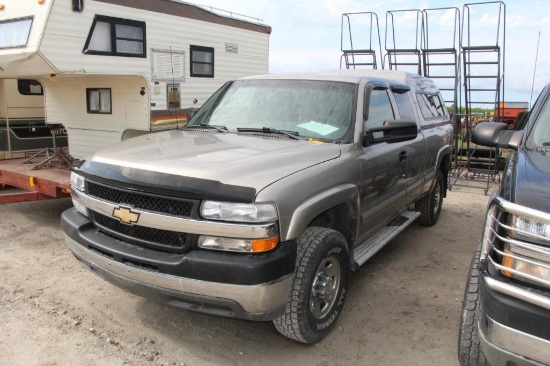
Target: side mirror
<point>495,134</point>
<point>393,131</point>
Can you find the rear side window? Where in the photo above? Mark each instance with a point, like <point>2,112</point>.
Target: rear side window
<point>430,106</point>
<point>404,106</point>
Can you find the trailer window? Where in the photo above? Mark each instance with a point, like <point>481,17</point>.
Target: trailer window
<point>29,87</point>
<point>116,37</point>
<point>202,61</point>
<point>98,100</point>
<point>15,32</point>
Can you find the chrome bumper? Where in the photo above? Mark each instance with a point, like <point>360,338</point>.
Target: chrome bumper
<point>255,302</point>
<point>501,343</point>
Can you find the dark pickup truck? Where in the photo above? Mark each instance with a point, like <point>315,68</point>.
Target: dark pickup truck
<point>506,310</point>
<point>276,190</point>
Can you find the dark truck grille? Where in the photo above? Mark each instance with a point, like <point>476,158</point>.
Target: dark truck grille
<point>159,239</point>
<point>154,238</point>
<point>169,206</point>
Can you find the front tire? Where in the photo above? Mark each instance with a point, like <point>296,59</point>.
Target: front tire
<point>430,206</point>
<point>319,288</point>
<point>469,350</point>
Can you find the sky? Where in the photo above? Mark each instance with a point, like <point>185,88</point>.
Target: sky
<point>306,34</point>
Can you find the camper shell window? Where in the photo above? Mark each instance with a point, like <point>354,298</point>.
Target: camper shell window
<point>202,62</point>
<point>29,87</point>
<point>430,105</point>
<point>116,37</point>
<point>14,33</point>
<point>98,100</point>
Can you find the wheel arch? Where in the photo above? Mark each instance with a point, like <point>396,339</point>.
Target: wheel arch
<point>335,209</point>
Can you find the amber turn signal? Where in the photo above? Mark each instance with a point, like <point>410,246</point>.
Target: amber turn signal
<point>263,245</point>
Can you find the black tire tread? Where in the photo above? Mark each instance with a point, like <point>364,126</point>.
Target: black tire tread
<point>425,205</point>
<point>469,351</point>
<point>292,324</point>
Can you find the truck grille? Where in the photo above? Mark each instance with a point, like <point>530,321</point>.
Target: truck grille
<point>172,206</point>
<point>165,240</point>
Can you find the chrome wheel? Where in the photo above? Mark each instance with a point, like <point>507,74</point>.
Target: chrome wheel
<point>325,287</point>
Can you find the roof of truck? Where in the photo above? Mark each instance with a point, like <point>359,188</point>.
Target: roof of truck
<point>418,82</point>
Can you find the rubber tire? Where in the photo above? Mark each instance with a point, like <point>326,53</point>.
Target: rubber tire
<point>469,351</point>
<point>297,322</point>
<point>426,204</point>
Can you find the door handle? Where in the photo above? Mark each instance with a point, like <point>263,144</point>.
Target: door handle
<point>402,156</point>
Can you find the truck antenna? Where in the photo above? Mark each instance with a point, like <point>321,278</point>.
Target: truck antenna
<point>534,71</point>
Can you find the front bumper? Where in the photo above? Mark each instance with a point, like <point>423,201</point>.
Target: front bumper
<point>238,297</point>
<point>514,326</point>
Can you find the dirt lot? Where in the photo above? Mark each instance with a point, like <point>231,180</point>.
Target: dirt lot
<point>403,308</point>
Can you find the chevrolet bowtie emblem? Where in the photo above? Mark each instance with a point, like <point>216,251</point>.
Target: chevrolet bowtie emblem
<point>125,215</point>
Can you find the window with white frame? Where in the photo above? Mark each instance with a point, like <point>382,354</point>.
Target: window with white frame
<point>202,61</point>
<point>116,37</point>
<point>14,33</point>
<point>98,100</point>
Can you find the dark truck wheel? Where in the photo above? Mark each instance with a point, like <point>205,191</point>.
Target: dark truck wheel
<point>320,286</point>
<point>469,351</point>
<point>430,206</point>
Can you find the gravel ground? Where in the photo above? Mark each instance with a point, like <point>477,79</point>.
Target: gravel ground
<point>403,308</point>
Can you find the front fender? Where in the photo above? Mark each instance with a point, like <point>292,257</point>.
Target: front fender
<point>315,205</point>
<point>304,195</point>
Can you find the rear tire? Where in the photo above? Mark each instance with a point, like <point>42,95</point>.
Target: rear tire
<point>319,288</point>
<point>430,206</point>
<point>469,350</point>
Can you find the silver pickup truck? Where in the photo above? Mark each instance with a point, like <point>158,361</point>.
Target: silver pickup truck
<point>276,190</point>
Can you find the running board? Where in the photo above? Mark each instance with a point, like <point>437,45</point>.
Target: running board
<point>369,247</point>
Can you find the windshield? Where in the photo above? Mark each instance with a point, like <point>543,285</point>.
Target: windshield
<point>316,109</point>
<point>540,135</point>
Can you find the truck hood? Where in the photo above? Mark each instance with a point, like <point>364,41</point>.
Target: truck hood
<point>532,180</point>
<point>233,159</point>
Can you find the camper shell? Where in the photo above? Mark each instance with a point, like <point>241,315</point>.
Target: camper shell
<point>108,66</point>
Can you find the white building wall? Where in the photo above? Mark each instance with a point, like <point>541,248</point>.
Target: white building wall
<point>65,102</point>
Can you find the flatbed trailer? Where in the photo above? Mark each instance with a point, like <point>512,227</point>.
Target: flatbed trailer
<point>46,183</point>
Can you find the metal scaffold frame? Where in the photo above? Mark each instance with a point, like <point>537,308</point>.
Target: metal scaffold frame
<point>461,67</point>
<point>363,56</point>
<point>483,83</point>
<point>400,53</point>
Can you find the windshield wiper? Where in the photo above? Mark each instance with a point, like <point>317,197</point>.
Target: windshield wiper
<point>207,126</point>
<point>292,134</point>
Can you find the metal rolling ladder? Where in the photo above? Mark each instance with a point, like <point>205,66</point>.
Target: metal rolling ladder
<point>483,78</point>
<point>440,55</point>
<point>360,55</point>
<point>403,50</point>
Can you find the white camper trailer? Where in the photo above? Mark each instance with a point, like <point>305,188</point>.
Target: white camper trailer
<point>23,131</point>
<point>108,66</point>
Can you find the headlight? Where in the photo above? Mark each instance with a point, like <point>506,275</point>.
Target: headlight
<point>529,229</point>
<point>77,181</point>
<point>237,245</point>
<point>239,212</point>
